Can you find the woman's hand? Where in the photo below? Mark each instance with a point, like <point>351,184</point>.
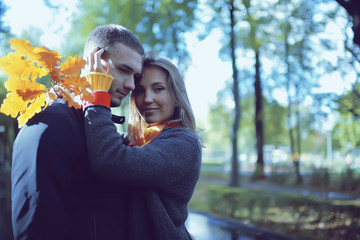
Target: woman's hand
<point>94,63</point>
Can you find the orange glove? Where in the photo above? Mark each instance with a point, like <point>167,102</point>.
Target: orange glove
<point>100,83</point>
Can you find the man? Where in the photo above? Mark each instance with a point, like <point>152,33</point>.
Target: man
<point>53,194</point>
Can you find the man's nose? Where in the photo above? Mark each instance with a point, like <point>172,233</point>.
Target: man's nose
<point>130,84</point>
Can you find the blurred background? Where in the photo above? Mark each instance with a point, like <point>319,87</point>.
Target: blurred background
<point>274,85</point>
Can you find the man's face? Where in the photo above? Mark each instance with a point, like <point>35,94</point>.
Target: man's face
<point>127,67</point>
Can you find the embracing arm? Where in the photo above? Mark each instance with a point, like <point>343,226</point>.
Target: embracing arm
<point>173,154</point>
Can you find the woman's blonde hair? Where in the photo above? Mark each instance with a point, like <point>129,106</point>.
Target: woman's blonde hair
<point>183,113</point>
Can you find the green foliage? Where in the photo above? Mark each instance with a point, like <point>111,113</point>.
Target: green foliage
<point>346,133</point>
<point>3,29</point>
<point>350,102</point>
<point>220,120</point>
<point>275,122</point>
<point>160,24</point>
<point>218,134</point>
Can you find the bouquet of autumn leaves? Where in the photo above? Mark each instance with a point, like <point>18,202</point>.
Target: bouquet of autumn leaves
<point>28,68</point>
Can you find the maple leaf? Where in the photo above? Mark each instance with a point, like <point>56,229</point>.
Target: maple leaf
<point>16,65</point>
<point>72,65</point>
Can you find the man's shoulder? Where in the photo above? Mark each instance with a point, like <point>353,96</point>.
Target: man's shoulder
<point>56,113</point>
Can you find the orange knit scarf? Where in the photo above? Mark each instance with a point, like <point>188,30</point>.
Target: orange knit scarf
<point>152,131</point>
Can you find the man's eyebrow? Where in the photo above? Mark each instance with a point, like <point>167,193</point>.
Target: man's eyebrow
<point>121,65</point>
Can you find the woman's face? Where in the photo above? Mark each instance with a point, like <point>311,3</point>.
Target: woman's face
<point>152,96</point>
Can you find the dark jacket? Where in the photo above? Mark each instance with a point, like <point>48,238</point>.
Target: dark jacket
<point>53,194</point>
<point>163,173</point>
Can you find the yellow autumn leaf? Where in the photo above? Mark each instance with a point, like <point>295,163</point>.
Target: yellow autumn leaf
<point>23,48</point>
<point>55,75</point>
<point>13,83</point>
<point>79,85</point>
<point>22,85</point>
<point>52,95</point>
<point>12,105</point>
<point>26,96</point>
<point>43,56</point>
<point>29,94</point>
<point>16,65</point>
<point>35,107</point>
<point>47,58</point>
<point>74,89</point>
<point>73,99</point>
<point>72,65</point>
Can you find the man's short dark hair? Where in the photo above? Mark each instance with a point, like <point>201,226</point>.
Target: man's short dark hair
<point>105,36</point>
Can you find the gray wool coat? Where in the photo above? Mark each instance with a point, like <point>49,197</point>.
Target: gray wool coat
<point>163,174</point>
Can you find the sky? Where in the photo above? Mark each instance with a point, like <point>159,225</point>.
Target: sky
<point>204,78</point>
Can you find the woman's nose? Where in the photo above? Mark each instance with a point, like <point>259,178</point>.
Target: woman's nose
<point>148,97</point>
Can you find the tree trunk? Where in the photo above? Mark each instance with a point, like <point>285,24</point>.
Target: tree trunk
<point>259,170</point>
<point>290,103</point>
<point>234,178</point>
<point>299,179</point>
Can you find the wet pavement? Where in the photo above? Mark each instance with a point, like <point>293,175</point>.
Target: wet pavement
<point>204,227</point>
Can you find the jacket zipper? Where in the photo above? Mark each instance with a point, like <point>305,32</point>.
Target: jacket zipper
<point>93,226</point>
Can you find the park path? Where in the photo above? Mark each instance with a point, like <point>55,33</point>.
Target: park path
<point>292,189</point>
<point>207,227</point>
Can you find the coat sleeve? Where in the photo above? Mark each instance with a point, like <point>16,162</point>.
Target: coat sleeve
<point>41,178</point>
<point>173,154</point>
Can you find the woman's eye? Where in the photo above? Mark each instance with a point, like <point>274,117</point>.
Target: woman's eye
<point>158,89</point>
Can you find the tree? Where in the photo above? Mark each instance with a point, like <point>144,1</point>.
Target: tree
<point>234,179</point>
<point>353,9</point>
<point>159,24</point>
<point>9,124</point>
<point>223,17</point>
<point>349,102</point>
<point>4,31</point>
<point>254,41</point>
<point>299,29</point>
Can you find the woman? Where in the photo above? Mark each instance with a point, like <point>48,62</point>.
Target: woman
<point>163,161</point>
